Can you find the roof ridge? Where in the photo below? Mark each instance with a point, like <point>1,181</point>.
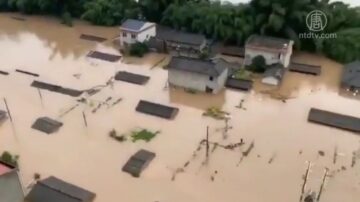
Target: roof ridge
<point>58,190</point>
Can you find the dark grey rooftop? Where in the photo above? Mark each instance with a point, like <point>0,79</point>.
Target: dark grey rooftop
<point>240,84</point>
<point>351,74</point>
<point>199,66</point>
<point>276,71</point>
<point>267,42</point>
<point>46,125</point>
<point>138,162</point>
<point>134,25</point>
<point>131,78</point>
<point>172,35</point>
<point>53,189</point>
<point>158,110</point>
<point>10,187</point>
<point>305,68</point>
<point>334,120</point>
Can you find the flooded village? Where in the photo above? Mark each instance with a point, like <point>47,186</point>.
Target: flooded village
<point>263,149</point>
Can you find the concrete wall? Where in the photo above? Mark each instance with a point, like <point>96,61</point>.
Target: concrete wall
<point>270,56</point>
<point>195,81</point>
<point>139,37</point>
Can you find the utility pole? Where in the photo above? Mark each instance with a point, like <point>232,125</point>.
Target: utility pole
<point>207,142</point>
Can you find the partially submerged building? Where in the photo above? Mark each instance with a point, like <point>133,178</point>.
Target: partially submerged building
<point>168,39</point>
<point>273,75</point>
<point>53,189</point>
<point>11,189</point>
<point>351,77</point>
<point>274,50</point>
<point>196,74</point>
<point>138,162</point>
<point>132,31</point>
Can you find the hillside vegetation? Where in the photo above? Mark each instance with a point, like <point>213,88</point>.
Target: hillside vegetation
<point>229,23</point>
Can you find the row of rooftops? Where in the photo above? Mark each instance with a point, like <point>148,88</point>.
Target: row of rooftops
<point>51,189</point>
<point>169,34</point>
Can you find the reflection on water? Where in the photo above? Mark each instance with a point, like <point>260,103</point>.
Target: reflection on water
<point>86,156</point>
<point>47,31</point>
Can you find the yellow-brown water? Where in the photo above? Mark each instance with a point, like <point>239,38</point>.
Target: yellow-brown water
<point>89,158</point>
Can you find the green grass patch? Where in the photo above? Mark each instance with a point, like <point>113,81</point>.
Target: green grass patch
<point>10,159</point>
<point>143,134</point>
<point>243,74</point>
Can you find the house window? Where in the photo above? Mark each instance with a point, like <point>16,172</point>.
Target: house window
<point>211,78</point>
<point>124,34</point>
<point>133,36</point>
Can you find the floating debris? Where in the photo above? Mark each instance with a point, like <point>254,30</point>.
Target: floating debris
<point>216,113</point>
<point>321,153</point>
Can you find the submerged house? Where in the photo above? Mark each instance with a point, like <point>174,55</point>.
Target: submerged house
<point>351,77</point>
<point>274,50</point>
<point>168,39</point>
<point>273,75</point>
<point>132,31</point>
<point>196,74</point>
<point>11,189</point>
<point>53,189</point>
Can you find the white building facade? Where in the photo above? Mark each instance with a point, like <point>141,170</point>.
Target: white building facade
<point>132,31</point>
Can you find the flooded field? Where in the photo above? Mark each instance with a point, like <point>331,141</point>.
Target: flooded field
<point>284,142</point>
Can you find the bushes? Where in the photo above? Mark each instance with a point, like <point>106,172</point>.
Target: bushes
<point>8,158</point>
<point>66,19</point>
<point>258,64</point>
<point>138,49</point>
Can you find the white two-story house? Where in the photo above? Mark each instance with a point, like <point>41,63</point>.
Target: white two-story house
<point>274,50</point>
<point>132,31</point>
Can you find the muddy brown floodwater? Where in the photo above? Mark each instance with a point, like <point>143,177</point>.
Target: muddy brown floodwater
<point>272,171</point>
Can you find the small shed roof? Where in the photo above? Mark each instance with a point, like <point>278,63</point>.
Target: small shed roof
<point>104,56</point>
<point>56,88</point>
<point>334,119</point>
<point>53,189</point>
<point>172,35</point>
<point>155,109</point>
<point>351,74</point>
<point>235,51</point>
<point>90,37</point>
<point>194,65</point>
<point>138,162</point>
<point>131,77</point>
<point>268,43</point>
<point>46,125</point>
<point>305,68</point>
<point>240,84</point>
<point>135,25</point>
